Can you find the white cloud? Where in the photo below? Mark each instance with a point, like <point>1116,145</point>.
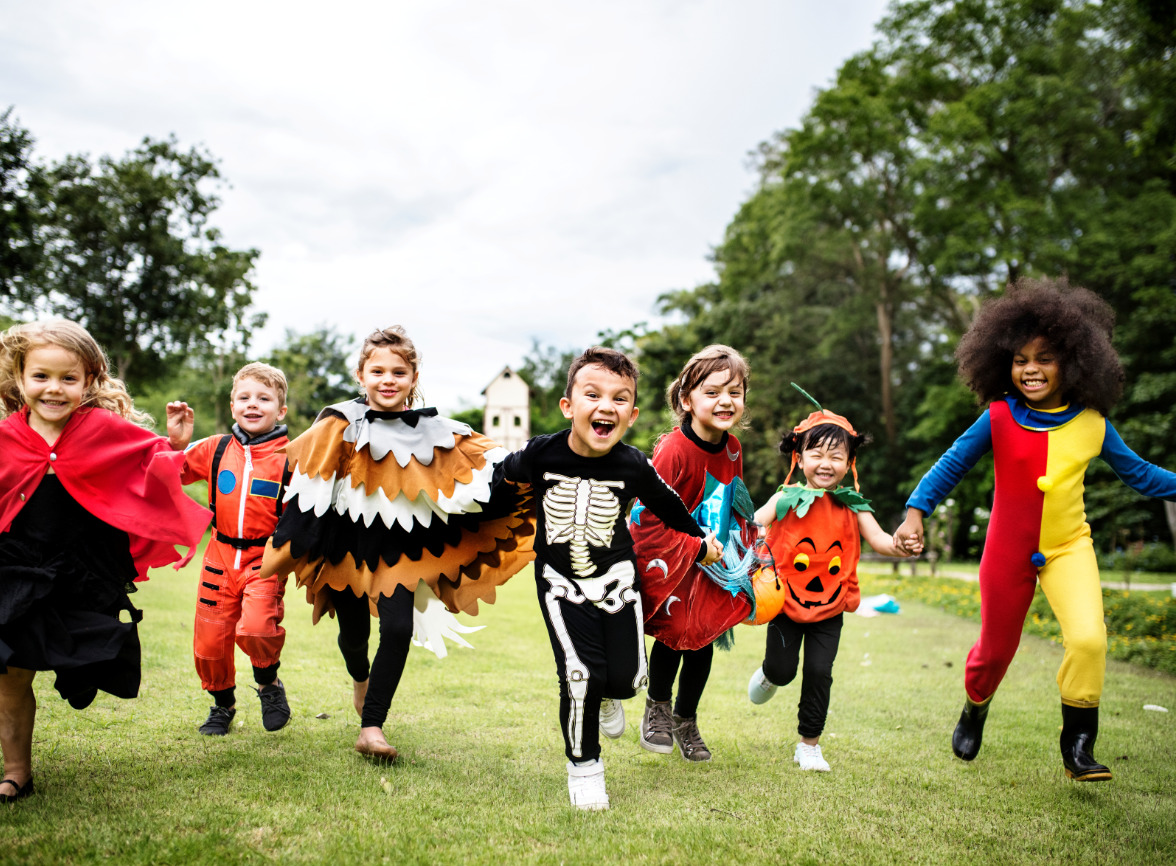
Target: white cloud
<point>481,173</point>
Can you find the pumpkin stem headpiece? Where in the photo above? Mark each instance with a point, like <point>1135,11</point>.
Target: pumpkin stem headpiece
<point>815,419</point>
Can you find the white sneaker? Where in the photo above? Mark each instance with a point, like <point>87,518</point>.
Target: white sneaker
<point>586,786</point>
<point>612,718</point>
<point>809,758</point>
<point>759,690</point>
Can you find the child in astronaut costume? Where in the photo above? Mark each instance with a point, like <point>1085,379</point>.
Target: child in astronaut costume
<point>246,474</point>
<point>583,479</point>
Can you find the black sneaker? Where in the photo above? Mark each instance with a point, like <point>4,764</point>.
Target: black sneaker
<point>218,721</point>
<point>275,711</point>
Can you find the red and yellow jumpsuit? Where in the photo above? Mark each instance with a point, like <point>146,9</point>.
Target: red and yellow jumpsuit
<point>234,603</point>
<point>1038,533</point>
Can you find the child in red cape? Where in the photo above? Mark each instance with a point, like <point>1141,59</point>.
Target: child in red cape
<point>89,501</point>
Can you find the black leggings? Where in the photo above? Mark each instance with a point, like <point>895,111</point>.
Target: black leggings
<point>355,624</point>
<point>663,668</point>
<point>782,658</point>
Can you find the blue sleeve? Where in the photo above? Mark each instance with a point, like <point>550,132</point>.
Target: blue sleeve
<point>956,462</point>
<point>1134,471</point>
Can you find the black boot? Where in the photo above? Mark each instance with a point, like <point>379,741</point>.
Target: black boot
<point>1079,730</point>
<point>969,731</point>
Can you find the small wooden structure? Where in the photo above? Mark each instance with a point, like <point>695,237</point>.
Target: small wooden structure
<point>507,417</point>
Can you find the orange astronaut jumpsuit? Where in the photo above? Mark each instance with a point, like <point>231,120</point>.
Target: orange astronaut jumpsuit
<point>234,603</point>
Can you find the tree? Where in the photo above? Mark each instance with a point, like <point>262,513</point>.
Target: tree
<point>130,254</point>
<point>317,371</point>
<point>545,369</point>
<point>19,247</point>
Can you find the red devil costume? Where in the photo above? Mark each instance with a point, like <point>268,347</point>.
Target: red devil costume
<point>72,542</point>
<point>684,608</point>
<point>235,604</point>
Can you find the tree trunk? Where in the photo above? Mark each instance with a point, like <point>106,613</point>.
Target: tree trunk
<point>1170,513</point>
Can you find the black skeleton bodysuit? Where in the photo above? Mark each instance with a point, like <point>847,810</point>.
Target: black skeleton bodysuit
<point>585,571</point>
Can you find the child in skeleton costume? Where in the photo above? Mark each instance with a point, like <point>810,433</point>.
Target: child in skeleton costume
<point>813,533</point>
<point>583,479</point>
<point>685,610</point>
<point>1041,357</point>
<point>390,513</point>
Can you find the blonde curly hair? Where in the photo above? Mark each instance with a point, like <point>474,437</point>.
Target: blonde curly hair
<point>102,389</point>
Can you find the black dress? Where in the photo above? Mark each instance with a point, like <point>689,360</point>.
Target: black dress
<point>65,576</point>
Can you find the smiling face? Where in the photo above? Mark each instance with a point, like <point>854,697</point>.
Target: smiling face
<point>715,405</point>
<point>824,464</point>
<point>53,383</point>
<point>256,407</point>
<point>601,408</point>
<point>1037,376</point>
<point>387,380</point>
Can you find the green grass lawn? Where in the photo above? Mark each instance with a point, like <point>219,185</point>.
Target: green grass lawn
<point>481,778</point>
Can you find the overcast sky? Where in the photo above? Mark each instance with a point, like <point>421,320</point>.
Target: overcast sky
<point>484,173</point>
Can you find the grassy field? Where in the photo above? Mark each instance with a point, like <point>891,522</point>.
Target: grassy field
<point>481,778</point>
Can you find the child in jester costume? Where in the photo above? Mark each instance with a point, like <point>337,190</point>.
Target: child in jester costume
<point>813,533</point>
<point>1041,357</point>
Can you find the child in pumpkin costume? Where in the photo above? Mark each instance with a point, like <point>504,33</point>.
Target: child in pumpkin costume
<point>1041,356</point>
<point>814,535</point>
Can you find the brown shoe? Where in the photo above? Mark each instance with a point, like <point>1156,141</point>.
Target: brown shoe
<point>689,740</point>
<point>657,727</point>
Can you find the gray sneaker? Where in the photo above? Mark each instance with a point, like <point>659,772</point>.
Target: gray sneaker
<point>689,740</point>
<point>657,727</point>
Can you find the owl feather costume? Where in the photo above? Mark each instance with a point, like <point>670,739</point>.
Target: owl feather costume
<point>378,500</point>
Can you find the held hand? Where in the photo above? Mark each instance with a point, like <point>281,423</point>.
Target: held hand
<point>909,536</point>
<point>714,550</point>
<point>181,422</point>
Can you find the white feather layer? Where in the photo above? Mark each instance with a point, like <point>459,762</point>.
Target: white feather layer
<point>321,494</point>
<point>432,623</point>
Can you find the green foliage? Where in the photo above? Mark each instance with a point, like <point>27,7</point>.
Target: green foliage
<point>20,247</point>
<point>1154,558</point>
<point>973,143</point>
<point>545,369</point>
<point>316,368</point>
<point>125,247</point>
<point>473,416</point>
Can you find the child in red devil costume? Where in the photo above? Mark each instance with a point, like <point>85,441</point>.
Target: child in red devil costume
<point>814,534</point>
<point>685,610</point>
<point>1041,357</point>
<point>89,500</point>
<point>246,475</point>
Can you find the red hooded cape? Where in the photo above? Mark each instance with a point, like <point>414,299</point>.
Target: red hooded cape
<point>117,471</point>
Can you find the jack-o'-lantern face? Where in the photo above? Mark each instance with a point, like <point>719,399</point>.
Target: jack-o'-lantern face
<point>811,571</point>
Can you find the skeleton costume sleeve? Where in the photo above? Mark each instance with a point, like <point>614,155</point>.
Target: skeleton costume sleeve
<point>378,500</point>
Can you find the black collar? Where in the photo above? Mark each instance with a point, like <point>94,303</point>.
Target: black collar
<point>709,447</point>
<point>408,416</point>
<point>244,438</point>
